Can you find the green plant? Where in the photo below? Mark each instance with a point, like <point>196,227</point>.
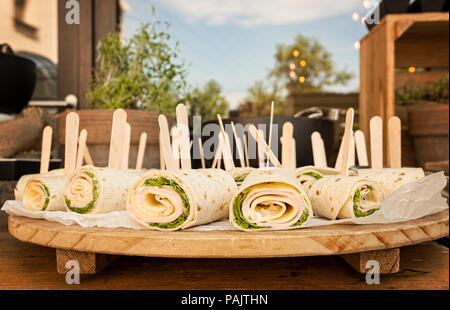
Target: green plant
<point>207,102</point>
<point>306,58</point>
<point>259,99</point>
<point>138,73</point>
<point>411,92</point>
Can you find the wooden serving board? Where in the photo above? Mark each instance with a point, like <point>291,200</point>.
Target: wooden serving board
<point>380,241</point>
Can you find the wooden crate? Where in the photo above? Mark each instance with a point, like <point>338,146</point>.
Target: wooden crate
<point>398,42</point>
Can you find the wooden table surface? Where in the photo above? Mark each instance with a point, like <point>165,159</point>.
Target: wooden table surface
<point>28,266</point>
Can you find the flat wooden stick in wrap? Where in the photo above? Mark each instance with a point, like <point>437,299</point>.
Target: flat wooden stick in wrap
<point>395,142</point>
<point>320,158</point>
<point>361,149</point>
<point>346,141</point>
<point>270,199</point>
<point>202,155</point>
<point>172,200</point>
<point>141,150</point>
<point>183,125</point>
<point>376,142</point>
<point>126,146</point>
<point>46,148</point>
<point>238,146</point>
<point>71,142</point>
<point>81,148</point>
<point>286,145</point>
<point>227,154</point>
<point>165,142</point>
<point>117,139</point>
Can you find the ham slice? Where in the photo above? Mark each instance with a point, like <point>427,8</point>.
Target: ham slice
<point>270,199</point>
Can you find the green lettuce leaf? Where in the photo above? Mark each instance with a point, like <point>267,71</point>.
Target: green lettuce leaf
<point>47,197</point>
<point>357,201</point>
<point>313,174</point>
<point>91,205</point>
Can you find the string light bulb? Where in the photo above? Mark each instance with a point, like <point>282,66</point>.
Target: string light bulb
<point>292,66</point>
<point>292,74</point>
<point>296,53</point>
<point>412,69</point>
<point>302,63</point>
<point>355,16</point>
<point>357,45</point>
<point>302,79</point>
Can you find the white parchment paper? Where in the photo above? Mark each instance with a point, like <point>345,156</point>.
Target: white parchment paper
<point>411,201</point>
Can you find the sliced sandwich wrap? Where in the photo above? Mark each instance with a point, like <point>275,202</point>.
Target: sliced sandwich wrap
<point>345,197</point>
<point>239,174</point>
<point>173,200</point>
<point>270,199</point>
<point>308,175</point>
<point>44,193</point>
<point>392,178</point>
<point>93,190</point>
<point>20,186</point>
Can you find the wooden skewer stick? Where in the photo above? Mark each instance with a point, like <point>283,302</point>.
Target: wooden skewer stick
<point>218,152</point>
<point>165,141</point>
<point>81,148</point>
<point>141,150</point>
<point>339,157</point>
<point>87,157</point>
<point>247,160</point>
<point>202,155</point>
<point>395,142</point>
<point>227,157</point>
<point>116,145</point>
<point>361,150</point>
<point>183,126</point>
<point>46,150</point>
<point>270,128</point>
<point>346,141</point>
<point>260,147</point>
<point>71,142</point>
<point>352,152</point>
<point>376,142</point>
<point>260,140</point>
<point>238,146</point>
<point>318,147</point>
<point>286,145</point>
<point>176,140</point>
<point>162,157</point>
<point>126,146</point>
<point>293,154</point>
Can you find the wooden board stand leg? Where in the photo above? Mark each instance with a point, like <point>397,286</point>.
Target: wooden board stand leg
<point>90,263</point>
<point>389,260</point>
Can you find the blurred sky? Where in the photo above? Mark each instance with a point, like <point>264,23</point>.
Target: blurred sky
<point>234,41</point>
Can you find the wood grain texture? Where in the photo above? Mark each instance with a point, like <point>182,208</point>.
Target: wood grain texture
<point>327,240</point>
<point>389,260</point>
<point>90,263</point>
<point>28,266</point>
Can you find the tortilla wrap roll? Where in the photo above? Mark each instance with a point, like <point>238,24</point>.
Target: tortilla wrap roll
<point>345,197</point>
<point>392,179</point>
<point>308,175</point>
<point>173,200</point>
<point>20,186</point>
<point>93,190</point>
<point>239,174</point>
<point>44,193</point>
<point>270,199</point>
